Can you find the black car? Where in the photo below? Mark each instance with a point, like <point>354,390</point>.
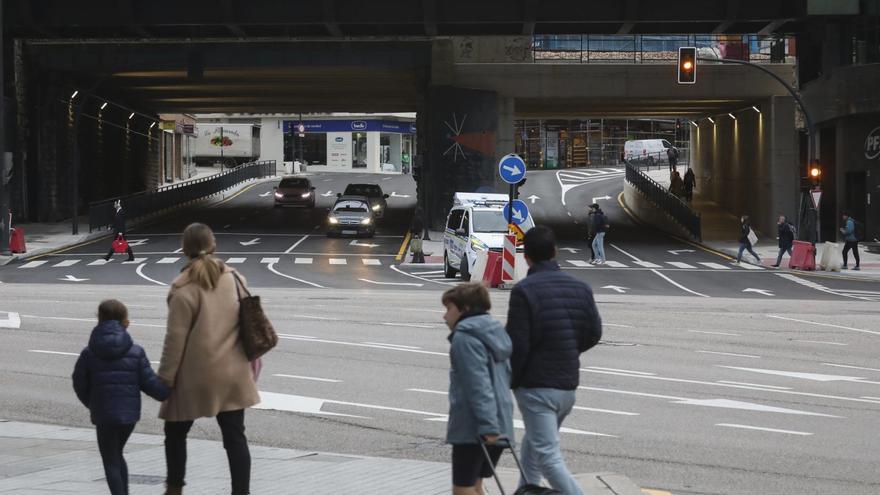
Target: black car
<point>295,191</point>
<point>351,215</point>
<point>373,192</point>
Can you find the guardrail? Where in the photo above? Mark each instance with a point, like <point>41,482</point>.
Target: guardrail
<point>146,203</point>
<point>659,160</point>
<point>669,203</point>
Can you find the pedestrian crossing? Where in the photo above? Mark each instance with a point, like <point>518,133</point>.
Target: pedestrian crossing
<point>675,264</point>
<point>170,260</point>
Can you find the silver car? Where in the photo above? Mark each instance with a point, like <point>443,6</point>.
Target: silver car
<point>351,215</point>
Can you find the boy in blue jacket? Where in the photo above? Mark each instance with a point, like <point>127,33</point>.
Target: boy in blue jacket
<point>108,379</point>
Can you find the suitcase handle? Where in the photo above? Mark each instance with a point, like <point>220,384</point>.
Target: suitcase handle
<point>504,443</point>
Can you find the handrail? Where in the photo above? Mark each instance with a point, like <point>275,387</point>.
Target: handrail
<point>669,203</point>
<point>147,203</point>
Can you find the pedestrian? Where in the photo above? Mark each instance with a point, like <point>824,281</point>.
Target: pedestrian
<point>850,239</point>
<point>600,226</point>
<point>591,231</point>
<point>108,379</point>
<point>676,185</point>
<point>672,157</point>
<point>204,362</point>
<point>785,234</point>
<point>745,244</point>
<point>690,183</point>
<point>119,230</point>
<point>552,319</point>
<point>480,403</point>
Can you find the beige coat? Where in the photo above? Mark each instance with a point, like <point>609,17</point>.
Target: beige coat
<point>209,373</point>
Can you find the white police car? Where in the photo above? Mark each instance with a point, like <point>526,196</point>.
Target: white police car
<point>476,222</point>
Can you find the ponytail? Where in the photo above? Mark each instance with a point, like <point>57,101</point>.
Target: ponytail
<point>205,271</point>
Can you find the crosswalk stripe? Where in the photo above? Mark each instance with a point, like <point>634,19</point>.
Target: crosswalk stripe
<point>371,261</point>
<point>65,263</point>
<point>615,264</point>
<point>235,261</point>
<point>647,264</point>
<point>338,261</point>
<point>580,263</point>
<point>270,260</point>
<point>714,266</point>
<point>168,261</point>
<point>303,261</point>
<point>749,266</point>
<point>100,262</point>
<point>134,261</point>
<point>680,264</point>
<point>33,264</point>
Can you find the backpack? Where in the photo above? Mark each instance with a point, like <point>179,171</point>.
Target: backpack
<point>859,230</point>
<point>792,229</point>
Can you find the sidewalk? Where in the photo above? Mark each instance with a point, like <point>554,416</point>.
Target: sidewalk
<point>719,228</point>
<point>432,248</point>
<point>41,459</point>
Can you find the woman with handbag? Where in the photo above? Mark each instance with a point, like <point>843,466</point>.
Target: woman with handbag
<point>204,361</point>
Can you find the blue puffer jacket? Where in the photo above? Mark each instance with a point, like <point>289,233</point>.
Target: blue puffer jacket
<point>480,402</point>
<point>552,319</point>
<point>110,374</point>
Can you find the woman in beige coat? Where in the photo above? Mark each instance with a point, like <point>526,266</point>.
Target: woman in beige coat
<point>203,361</point>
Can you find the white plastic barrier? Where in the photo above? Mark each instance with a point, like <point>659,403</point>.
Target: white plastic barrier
<point>830,257</point>
<point>480,266</point>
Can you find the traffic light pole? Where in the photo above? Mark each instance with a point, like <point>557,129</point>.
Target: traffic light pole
<point>4,191</point>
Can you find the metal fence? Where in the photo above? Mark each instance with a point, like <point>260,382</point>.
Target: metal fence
<point>671,204</point>
<point>147,203</point>
<point>659,160</point>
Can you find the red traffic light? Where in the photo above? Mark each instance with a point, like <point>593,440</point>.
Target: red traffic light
<point>687,65</point>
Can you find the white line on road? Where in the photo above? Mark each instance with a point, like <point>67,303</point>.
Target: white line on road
<point>820,342</point>
<point>612,325</point>
<point>673,282</point>
<point>312,317</point>
<point>65,263</point>
<point>872,398</point>
<point>614,264</point>
<point>303,261</point>
<point>588,368</point>
<point>271,268</point>
<point>680,264</point>
<point>435,272</point>
<point>393,345</point>
<point>358,344</point>
<point>167,261</point>
<point>40,351</point>
<point>140,271</point>
<point>328,380</point>
<point>851,367</point>
<point>714,333</point>
<point>754,385</point>
<point>338,261</point>
<point>297,243</point>
<point>730,354</point>
<point>12,320</point>
<point>235,261</point>
<point>33,264</point>
<point>410,325</point>
<point>89,320</point>
<point>824,324</point>
<point>608,411</point>
<point>581,263</point>
<point>100,262</point>
<point>624,252</point>
<point>270,261</point>
<point>714,266</point>
<point>371,261</point>
<point>417,277</point>
<point>426,391</point>
<point>405,284</point>
<point>135,261</point>
<point>772,430</point>
<point>647,264</point>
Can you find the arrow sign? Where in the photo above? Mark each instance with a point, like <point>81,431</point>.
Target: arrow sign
<point>511,168</point>
<point>617,288</point>
<point>679,251</point>
<point>533,198</point>
<point>250,242</point>
<point>327,194</point>
<point>356,243</point>
<point>764,292</point>
<point>265,194</point>
<point>395,195</point>
<point>570,250</point>
<point>596,199</point>
<point>520,211</point>
<point>137,242</point>
<point>71,278</point>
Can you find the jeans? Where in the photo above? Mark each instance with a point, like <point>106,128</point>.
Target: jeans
<point>543,411</point>
<point>782,251</point>
<point>232,427</point>
<point>592,251</point>
<point>746,246</point>
<point>111,442</point>
<point>599,246</point>
<point>854,245</point>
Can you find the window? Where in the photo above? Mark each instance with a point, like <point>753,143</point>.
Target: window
<point>354,206</point>
<point>454,219</point>
<point>368,190</point>
<point>493,221</point>
<point>466,224</point>
<point>294,183</point>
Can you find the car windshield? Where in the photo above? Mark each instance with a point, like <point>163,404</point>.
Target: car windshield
<point>493,221</point>
<point>369,190</point>
<point>351,206</point>
<point>294,183</point>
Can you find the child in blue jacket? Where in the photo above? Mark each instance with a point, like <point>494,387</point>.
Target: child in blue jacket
<point>108,378</point>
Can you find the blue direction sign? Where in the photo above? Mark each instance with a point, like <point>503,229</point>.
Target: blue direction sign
<point>520,212</point>
<point>512,169</point>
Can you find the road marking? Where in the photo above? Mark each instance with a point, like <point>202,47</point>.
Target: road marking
<point>519,425</point>
<point>409,325</point>
<point>676,252</point>
<point>338,261</point>
<point>178,250</point>
<point>419,278</point>
<point>12,320</point>
<point>134,261</point>
<point>624,252</point>
<point>851,367</point>
<point>59,353</point>
<point>359,344</point>
<point>714,333</point>
<point>297,243</point>
<point>872,398</point>
<point>426,391</point>
<point>65,263</point>
<point>749,266</point>
<point>296,403</point>
<point>100,262</point>
<point>673,282</point>
<point>730,354</point>
<point>820,342</point>
<point>311,317</point>
<point>404,284</point>
<point>588,368</point>
<point>328,380</point>
<point>402,251</point>
<point>647,264</point>
<point>763,292</point>
<point>580,263</point>
<point>270,261</point>
<point>394,345</point>
<point>608,411</point>
<point>714,266</point>
<point>303,261</point>
<point>435,272</point>
<point>167,261</point>
<point>758,428</point>
<point>679,264</point>
<point>87,320</point>
<point>617,288</point>
<point>271,267</point>
<point>824,324</point>
<point>816,377</point>
<point>235,261</point>
<point>33,264</point>
<point>370,261</point>
<point>71,278</point>
<point>140,272</point>
<point>614,264</point>
<point>754,385</point>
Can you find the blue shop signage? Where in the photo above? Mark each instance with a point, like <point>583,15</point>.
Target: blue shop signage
<point>351,125</point>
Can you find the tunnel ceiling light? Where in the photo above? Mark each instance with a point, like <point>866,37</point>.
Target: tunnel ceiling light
<point>731,116</point>
<point>152,125</point>
<point>76,92</point>
<point>694,124</point>
<point>755,109</point>
<point>104,105</point>
<point>711,120</point>
<point>131,116</point>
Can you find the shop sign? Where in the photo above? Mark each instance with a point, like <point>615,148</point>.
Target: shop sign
<point>872,144</point>
<point>167,125</point>
<point>359,125</point>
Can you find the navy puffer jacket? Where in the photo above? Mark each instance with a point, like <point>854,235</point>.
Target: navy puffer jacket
<point>110,374</point>
<point>552,319</point>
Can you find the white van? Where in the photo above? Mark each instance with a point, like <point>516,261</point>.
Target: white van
<point>648,151</point>
<point>476,222</point>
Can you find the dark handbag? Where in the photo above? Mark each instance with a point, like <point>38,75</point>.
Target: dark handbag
<point>527,489</point>
<point>257,334</point>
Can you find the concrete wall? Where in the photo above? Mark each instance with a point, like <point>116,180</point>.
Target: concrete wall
<point>750,165</point>
<point>647,212</point>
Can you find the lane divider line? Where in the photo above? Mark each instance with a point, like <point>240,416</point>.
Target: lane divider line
<point>140,271</point>
<point>824,324</point>
<point>417,277</point>
<point>673,282</point>
<point>402,251</point>
<point>291,248</point>
<point>271,267</point>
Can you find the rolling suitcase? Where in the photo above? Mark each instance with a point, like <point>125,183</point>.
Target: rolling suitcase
<point>523,490</point>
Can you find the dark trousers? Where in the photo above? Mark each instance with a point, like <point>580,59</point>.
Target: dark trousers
<point>234,441</point>
<point>673,164</point>
<point>854,245</point>
<point>590,243</point>
<point>111,252</point>
<point>111,442</point>
<point>783,250</point>
<point>746,246</point>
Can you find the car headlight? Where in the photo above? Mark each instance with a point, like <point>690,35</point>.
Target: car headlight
<point>377,207</point>
<point>306,195</point>
<point>279,195</point>
<point>366,221</point>
<point>332,220</point>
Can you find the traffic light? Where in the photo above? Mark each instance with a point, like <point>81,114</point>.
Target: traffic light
<point>687,65</point>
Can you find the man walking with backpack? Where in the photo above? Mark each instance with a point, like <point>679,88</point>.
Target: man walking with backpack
<point>786,235</point>
<point>552,319</point>
<point>850,233</point>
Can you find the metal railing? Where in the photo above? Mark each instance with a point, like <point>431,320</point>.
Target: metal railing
<point>669,203</point>
<point>147,203</point>
<point>659,160</point>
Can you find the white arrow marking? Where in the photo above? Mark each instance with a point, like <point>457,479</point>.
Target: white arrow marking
<point>137,242</point>
<point>407,284</point>
<point>395,195</point>
<point>596,199</point>
<point>517,215</point>
<point>533,198</point>
<point>765,292</point>
<point>12,320</point>
<point>514,170</point>
<point>356,243</point>
<point>570,250</point>
<point>816,377</point>
<point>250,242</point>
<point>758,428</point>
<point>676,252</point>
<point>327,194</point>
<point>617,288</point>
<point>71,278</point>
<point>747,406</point>
<point>265,194</point>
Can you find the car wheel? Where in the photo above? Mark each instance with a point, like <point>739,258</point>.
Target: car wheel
<point>448,271</point>
<point>465,270</point>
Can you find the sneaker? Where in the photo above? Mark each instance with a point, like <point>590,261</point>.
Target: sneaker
<point>844,267</point>
<point>856,268</point>
<point>600,262</point>
<point>775,266</point>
